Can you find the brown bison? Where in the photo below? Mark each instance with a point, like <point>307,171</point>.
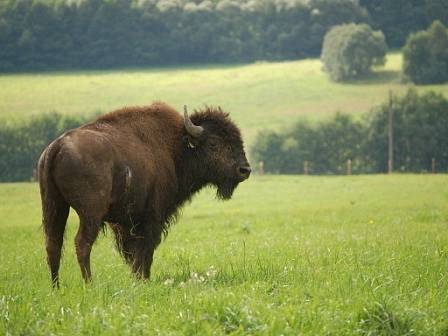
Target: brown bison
<point>133,169</point>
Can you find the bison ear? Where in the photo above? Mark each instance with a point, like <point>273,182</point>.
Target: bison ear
<point>191,142</point>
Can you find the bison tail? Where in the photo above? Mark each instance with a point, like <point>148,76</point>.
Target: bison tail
<point>48,190</point>
<point>54,210</point>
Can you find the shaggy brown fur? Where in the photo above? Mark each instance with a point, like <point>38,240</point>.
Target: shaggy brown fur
<point>134,168</point>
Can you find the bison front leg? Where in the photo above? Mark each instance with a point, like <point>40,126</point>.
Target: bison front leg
<point>137,245</point>
<point>147,240</point>
<point>142,263</point>
<point>144,255</point>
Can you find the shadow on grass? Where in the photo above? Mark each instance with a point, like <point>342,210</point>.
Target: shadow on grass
<point>378,77</point>
<point>444,331</point>
<point>379,320</point>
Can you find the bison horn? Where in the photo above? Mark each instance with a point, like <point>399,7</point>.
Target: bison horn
<point>191,128</point>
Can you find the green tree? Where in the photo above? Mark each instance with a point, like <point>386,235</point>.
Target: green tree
<point>425,56</point>
<point>326,146</point>
<point>350,50</point>
<point>397,18</point>
<point>267,148</point>
<point>420,128</point>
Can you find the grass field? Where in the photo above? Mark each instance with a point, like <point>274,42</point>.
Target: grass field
<point>289,255</point>
<point>364,255</point>
<point>262,95</point>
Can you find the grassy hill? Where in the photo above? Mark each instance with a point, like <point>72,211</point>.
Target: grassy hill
<point>288,255</point>
<point>261,95</point>
<point>360,255</point>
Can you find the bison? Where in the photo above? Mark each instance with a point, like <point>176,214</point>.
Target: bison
<point>133,169</point>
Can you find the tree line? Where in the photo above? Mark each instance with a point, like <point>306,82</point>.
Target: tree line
<point>420,126</point>
<point>51,34</point>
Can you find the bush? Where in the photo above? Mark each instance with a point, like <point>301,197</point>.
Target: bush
<point>268,148</point>
<point>350,50</point>
<point>21,143</point>
<point>326,146</point>
<point>425,56</point>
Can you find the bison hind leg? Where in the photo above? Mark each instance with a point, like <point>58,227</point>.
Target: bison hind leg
<point>84,240</point>
<point>54,222</point>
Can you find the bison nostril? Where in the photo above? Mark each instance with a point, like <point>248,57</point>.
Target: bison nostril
<point>245,171</point>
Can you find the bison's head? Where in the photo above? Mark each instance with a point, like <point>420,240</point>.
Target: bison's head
<point>216,143</point>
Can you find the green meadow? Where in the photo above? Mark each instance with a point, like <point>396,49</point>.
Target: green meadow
<point>288,255</point>
<point>260,95</point>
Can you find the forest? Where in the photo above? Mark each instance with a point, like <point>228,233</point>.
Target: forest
<point>38,35</point>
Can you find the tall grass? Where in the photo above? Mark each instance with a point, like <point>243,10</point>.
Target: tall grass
<point>364,255</point>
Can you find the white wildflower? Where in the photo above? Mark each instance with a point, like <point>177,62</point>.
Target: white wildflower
<point>168,282</point>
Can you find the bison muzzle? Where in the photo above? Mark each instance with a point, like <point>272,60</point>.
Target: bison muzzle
<point>133,169</point>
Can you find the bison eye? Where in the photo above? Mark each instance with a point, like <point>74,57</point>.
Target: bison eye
<point>213,144</point>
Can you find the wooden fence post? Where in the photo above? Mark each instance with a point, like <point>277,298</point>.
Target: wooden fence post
<point>349,167</point>
<point>305,167</point>
<point>433,165</point>
<point>390,161</point>
<point>389,166</point>
<point>261,168</point>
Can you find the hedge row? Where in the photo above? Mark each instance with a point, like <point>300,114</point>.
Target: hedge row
<point>420,128</point>
<point>21,143</point>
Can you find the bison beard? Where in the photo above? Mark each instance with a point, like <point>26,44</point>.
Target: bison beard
<point>225,190</point>
<point>134,168</point>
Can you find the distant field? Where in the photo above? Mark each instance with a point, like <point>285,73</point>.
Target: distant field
<point>364,255</point>
<point>262,95</point>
